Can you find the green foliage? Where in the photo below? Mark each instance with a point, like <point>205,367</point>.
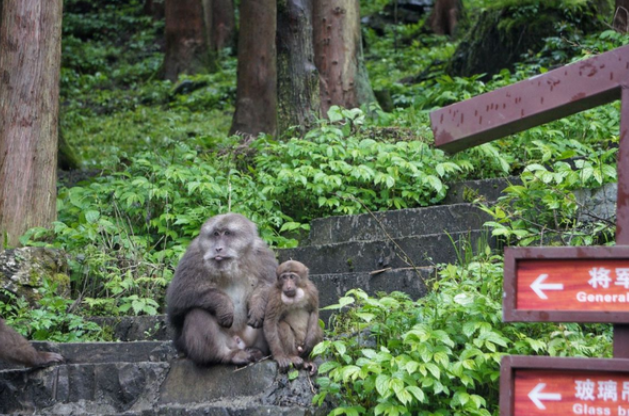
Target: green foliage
<point>440,354</point>
<point>334,169</point>
<point>50,321</point>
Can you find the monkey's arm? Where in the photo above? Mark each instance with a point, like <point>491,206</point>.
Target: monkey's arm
<point>256,305</point>
<point>273,334</point>
<point>271,323</point>
<point>314,333</point>
<point>16,349</point>
<point>182,300</point>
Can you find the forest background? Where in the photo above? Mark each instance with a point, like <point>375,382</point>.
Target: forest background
<point>153,157</point>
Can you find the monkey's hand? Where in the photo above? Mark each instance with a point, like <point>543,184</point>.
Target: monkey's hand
<point>255,318</point>
<point>48,358</point>
<point>283,362</point>
<point>311,367</point>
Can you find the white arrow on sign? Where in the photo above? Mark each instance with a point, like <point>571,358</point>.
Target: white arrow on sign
<point>539,286</point>
<point>537,396</point>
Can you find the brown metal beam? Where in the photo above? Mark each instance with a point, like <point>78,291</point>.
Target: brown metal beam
<point>529,103</point>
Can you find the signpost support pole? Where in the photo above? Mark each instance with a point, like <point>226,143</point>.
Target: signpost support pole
<point>621,331</point>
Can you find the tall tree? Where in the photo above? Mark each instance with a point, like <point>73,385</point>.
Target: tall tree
<point>256,92</point>
<point>298,80</point>
<point>220,22</point>
<point>339,54</point>
<point>185,35</point>
<point>30,62</point>
<point>621,16</point>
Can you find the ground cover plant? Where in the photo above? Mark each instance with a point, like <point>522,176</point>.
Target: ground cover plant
<point>160,162</point>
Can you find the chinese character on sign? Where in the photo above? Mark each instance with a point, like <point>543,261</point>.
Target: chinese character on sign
<point>625,390</point>
<point>607,390</point>
<point>584,389</point>
<point>622,278</point>
<point>600,277</point>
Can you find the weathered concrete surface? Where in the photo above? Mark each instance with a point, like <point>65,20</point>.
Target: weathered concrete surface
<point>187,383</point>
<point>368,256</point>
<point>597,204</point>
<point>397,224</point>
<point>106,352</point>
<point>81,388</point>
<point>172,387</point>
<point>488,190</point>
<point>333,286</point>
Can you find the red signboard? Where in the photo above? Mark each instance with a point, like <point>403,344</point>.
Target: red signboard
<point>564,386</point>
<point>567,284</point>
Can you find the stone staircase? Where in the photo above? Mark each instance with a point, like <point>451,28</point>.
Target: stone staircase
<point>141,375</point>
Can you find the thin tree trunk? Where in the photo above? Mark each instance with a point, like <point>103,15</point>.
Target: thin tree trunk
<point>221,22</point>
<point>186,38</point>
<point>339,54</point>
<point>256,94</point>
<point>621,16</point>
<point>298,81</point>
<point>154,8</point>
<point>30,60</point>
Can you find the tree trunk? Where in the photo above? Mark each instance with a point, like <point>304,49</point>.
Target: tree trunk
<point>621,16</point>
<point>30,61</point>
<point>339,54</point>
<point>256,94</point>
<point>298,81</point>
<point>221,22</point>
<point>445,16</point>
<point>186,38</point>
<point>154,8</point>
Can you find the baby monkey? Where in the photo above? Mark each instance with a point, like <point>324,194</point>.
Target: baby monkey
<point>291,320</point>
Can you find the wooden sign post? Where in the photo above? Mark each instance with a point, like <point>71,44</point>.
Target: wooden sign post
<point>551,284</point>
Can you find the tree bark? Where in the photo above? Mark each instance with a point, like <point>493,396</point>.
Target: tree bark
<point>298,81</point>
<point>154,8</point>
<point>621,16</point>
<point>30,62</point>
<point>445,16</point>
<point>220,22</point>
<point>339,54</point>
<point>186,39</point>
<point>256,92</point>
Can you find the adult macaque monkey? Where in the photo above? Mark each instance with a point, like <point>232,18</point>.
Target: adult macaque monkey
<point>291,322</point>
<point>14,348</point>
<point>216,299</point>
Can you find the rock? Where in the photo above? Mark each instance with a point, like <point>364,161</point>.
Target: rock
<point>24,270</point>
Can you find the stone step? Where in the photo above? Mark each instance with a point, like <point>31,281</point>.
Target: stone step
<point>149,387</point>
<point>106,352</point>
<point>397,224</point>
<point>398,253</point>
<point>333,286</point>
<point>487,190</point>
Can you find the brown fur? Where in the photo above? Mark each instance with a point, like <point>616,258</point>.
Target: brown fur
<point>216,299</point>
<point>14,348</point>
<point>291,323</point>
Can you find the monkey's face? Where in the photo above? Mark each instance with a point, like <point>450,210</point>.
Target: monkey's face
<point>288,283</point>
<point>225,239</point>
<point>291,279</point>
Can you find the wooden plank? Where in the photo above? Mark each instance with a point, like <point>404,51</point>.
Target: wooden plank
<point>529,103</point>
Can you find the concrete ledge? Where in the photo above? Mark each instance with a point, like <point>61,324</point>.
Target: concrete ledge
<point>106,352</point>
<point>333,286</point>
<point>397,224</point>
<point>367,256</point>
